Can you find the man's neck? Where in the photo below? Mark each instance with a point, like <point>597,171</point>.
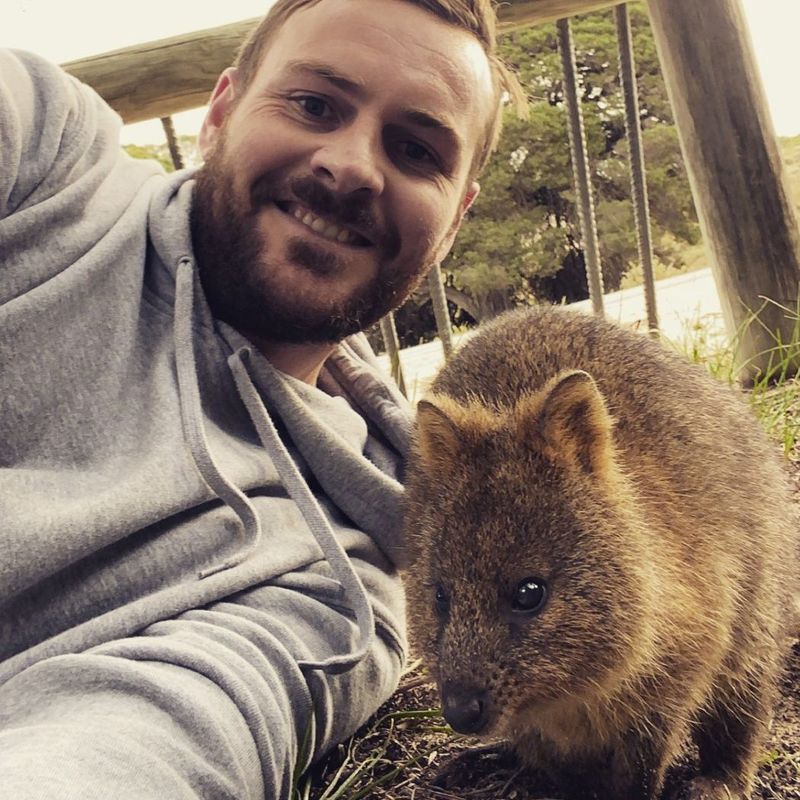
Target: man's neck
<point>301,361</point>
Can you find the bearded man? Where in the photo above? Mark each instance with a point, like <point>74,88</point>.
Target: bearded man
<point>201,462</point>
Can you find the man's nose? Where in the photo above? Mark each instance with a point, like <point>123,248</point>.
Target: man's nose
<point>350,160</point>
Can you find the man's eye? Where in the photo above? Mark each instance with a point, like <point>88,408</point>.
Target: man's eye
<point>313,106</point>
<point>414,151</point>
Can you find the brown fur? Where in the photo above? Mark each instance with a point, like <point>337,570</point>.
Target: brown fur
<point>561,447</point>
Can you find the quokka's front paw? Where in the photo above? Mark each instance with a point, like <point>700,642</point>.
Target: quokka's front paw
<point>703,788</point>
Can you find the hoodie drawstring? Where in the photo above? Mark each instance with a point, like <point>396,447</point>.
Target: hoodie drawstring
<point>298,490</point>
<point>295,485</point>
<point>192,417</point>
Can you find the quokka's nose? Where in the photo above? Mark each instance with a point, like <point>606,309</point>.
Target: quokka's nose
<point>465,708</point>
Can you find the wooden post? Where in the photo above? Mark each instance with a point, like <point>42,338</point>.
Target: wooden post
<point>580,167</point>
<point>163,77</point>
<point>392,344</point>
<point>440,313</point>
<point>746,214</point>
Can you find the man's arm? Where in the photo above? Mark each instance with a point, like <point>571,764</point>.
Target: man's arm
<point>63,179</point>
<point>47,125</point>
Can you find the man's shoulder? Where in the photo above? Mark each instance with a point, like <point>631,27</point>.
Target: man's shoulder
<point>53,131</point>
<point>30,85</point>
<point>39,97</point>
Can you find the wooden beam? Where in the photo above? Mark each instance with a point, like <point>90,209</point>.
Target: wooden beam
<point>746,213</point>
<point>161,78</point>
<point>515,14</point>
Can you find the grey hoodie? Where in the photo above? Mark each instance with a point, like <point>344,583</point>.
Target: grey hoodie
<point>151,461</point>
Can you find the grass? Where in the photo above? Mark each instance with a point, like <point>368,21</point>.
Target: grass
<point>692,258</point>
<point>790,154</point>
<point>382,755</point>
<point>778,768</point>
<point>774,393</point>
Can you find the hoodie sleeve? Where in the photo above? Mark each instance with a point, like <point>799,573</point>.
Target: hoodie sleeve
<point>54,131</point>
<point>64,180</point>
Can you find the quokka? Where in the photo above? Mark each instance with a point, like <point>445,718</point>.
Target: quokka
<point>603,544</point>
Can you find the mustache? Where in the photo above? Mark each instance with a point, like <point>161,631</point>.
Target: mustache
<point>352,211</point>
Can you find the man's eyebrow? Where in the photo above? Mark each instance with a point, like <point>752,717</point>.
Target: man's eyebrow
<point>328,73</point>
<point>426,120</point>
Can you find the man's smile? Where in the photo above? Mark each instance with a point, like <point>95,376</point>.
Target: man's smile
<point>325,228</point>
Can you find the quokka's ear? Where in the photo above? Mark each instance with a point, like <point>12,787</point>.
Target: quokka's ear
<point>568,420</point>
<point>445,428</point>
<point>438,435</point>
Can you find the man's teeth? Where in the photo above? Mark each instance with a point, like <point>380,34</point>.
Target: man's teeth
<point>326,229</point>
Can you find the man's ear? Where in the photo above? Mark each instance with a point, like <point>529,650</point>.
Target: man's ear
<point>219,106</point>
<point>469,198</point>
<point>473,190</point>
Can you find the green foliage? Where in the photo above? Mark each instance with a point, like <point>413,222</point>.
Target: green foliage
<point>521,241</point>
<point>669,195</point>
<point>157,152</point>
<point>160,152</point>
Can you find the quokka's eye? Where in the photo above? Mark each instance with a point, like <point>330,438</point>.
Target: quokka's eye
<point>530,596</point>
<point>442,601</point>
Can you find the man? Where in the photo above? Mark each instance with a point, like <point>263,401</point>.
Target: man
<point>200,486</point>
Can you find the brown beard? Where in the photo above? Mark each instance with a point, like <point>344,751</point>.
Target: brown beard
<point>238,277</point>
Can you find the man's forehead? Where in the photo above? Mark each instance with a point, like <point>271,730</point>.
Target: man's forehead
<point>353,37</point>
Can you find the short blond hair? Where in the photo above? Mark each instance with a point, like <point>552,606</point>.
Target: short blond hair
<point>474,16</point>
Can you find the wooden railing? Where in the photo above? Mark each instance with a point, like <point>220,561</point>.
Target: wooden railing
<point>749,223</point>
<point>160,78</point>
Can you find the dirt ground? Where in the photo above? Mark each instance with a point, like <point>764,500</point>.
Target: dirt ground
<point>407,752</point>
<point>419,758</point>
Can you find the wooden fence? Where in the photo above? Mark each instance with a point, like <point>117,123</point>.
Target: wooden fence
<point>747,218</point>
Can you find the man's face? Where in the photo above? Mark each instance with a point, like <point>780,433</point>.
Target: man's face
<point>341,174</point>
